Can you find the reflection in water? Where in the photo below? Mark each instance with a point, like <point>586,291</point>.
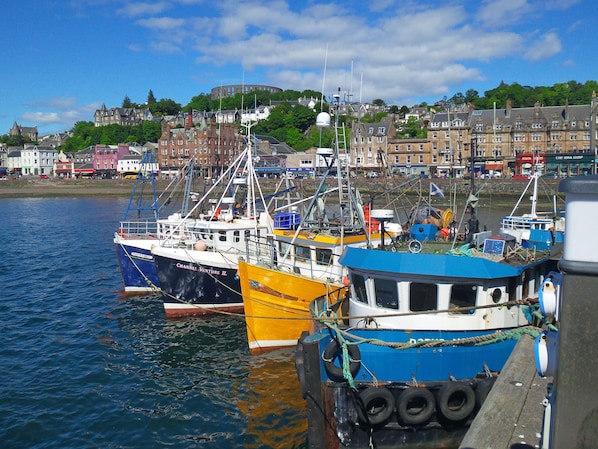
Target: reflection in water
<point>196,376</point>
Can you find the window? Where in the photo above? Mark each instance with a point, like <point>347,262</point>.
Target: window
<point>423,297</point>
<point>386,293</point>
<point>302,253</point>
<point>463,296</point>
<point>323,256</point>
<point>359,288</point>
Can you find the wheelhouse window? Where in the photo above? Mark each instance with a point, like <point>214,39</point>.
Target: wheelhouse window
<point>423,297</point>
<point>386,293</point>
<point>463,296</point>
<point>302,253</point>
<point>323,256</point>
<point>359,288</point>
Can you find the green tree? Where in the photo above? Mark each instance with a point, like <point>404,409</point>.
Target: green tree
<point>201,102</point>
<point>127,103</point>
<point>165,106</point>
<point>151,132</point>
<point>411,129</point>
<point>74,144</point>
<point>150,98</point>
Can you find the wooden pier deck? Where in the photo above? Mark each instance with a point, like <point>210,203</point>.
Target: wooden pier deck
<point>512,415</point>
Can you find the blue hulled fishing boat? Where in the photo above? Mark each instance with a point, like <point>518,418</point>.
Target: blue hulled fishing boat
<point>410,354</point>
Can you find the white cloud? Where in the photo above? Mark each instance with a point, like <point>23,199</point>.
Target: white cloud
<point>161,23</point>
<point>503,13</point>
<point>142,9</point>
<point>544,47</point>
<point>58,111</point>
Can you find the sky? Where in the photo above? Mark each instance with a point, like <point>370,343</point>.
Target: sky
<point>62,59</point>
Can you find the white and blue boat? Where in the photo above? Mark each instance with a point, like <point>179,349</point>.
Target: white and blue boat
<point>142,225</point>
<point>411,353</point>
<point>529,228</point>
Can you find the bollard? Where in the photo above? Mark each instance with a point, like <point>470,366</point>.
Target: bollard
<point>574,412</point>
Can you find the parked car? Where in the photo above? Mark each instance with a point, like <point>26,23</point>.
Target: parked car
<point>43,176</point>
<point>371,174</point>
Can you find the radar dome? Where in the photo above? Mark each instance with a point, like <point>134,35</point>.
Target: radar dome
<point>323,120</point>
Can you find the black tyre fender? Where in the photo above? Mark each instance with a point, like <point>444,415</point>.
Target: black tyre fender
<point>415,406</point>
<point>333,352</point>
<point>481,391</point>
<point>300,364</point>
<point>456,401</point>
<point>375,405</point>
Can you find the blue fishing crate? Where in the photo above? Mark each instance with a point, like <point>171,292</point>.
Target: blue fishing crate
<point>423,232</point>
<point>540,239</point>
<point>287,220</point>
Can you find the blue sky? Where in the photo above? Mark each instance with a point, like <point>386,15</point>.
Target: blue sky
<point>61,59</point>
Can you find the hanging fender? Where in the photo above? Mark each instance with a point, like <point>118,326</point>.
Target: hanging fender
<point>375,405</point>
<point>334,352</point>
<point>455,401</point>
<point>415,406</point>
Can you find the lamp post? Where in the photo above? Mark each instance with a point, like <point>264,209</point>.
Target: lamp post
<point>593,106</point>
<point>474,144</point>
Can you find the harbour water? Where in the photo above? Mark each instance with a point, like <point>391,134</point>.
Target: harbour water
<point>81,366</point>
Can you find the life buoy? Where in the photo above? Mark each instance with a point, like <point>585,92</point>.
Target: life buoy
<point>456,401</point>
<point>122,232</point>
<point>334,352</point>
<point>375,405</point>
<point>415,406</point>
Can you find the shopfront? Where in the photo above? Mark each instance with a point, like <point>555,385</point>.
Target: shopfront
<point>565,165</point>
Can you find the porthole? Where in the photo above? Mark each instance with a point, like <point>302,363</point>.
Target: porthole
<point>496,295</point>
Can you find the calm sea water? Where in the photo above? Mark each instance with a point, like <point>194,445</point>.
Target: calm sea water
<point>83,367</point>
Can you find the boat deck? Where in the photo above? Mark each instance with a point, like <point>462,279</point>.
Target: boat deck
<point>512,414</point>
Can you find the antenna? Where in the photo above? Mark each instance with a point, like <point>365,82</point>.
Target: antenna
<point>324,79</point>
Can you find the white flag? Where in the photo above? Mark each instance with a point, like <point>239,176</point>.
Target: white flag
<point>435,190</point>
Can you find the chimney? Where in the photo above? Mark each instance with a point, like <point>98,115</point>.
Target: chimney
<point>189,124</point>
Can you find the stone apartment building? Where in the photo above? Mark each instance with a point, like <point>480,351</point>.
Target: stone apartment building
<point>497,137</point>
<point>370,143</point>
<point>213,146</point>
<point>121,116</point>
